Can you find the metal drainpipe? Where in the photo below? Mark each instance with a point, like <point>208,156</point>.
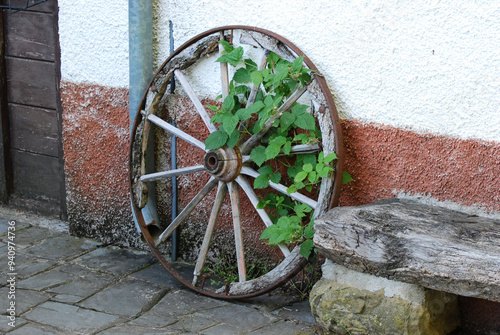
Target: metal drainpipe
<point>140,20</point>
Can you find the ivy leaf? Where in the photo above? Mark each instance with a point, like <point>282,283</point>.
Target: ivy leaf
<point>250,65</point>
<point>258,155</point>
<point>330,157</point>
<point>346,178</point>
<point>220,117</point>
<point>273,57</point>
<point>243,113</point>
<point>286,230</point>
<point>241,89</point>
<point>214,108</point>
<point>262,204</point>
<point>275,177</point>
<point>256,107</point>
<point>261,181</point>
<point>308,159</point>
<point>307,167</point>
<point>286,120</point>
<point>305,121</point>
<point>277,232</point>
<point>299,109</point>
<point>266,170</point>
<point>292,171</point>
<point>287,147</point>
<point>229,124</point>
<point>305,78</point>
<point>227,47</point>
<point>300,176</point>
<point>291,189</point>
<point>325,171</point>
<point>301,209</point>
<point>306,248</point>
<point>241,75</point>
<point>216,140</point>
<point>233,57</point>
<point>269,101</point>
<point>256,77</point>
<point>278,100</point>
<point>303,138</point>
<point>274,147</point>
<point>312,177</point>
<point>309,230</point>
<point>228,103</point>
<point>297,64</point>
<point>319,167</point>
<point>233,138</point>
<point>281,73</point>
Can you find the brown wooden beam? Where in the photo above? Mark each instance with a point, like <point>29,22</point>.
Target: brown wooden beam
<point>431,246</point>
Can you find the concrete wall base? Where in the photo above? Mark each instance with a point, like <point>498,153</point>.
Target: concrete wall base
<point>349,302</point>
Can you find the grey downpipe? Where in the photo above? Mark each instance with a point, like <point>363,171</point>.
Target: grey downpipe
<point>140,19</point>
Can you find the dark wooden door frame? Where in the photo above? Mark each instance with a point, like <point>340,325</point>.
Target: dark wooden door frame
<point>31,121</point>
<point>5,161</point>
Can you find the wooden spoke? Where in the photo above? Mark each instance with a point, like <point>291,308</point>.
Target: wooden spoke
<point>202,256</point>
<point>176,131</point>
<point>247,188</point>
<point>255,88</point>
<point>171,173</point>
<point>281,188</point>
<point>254,139</point>
<point>224,71</point>
<point>187,210</point>
<point>304,149</point>
<point>238,232</point>
<point>197,103</point>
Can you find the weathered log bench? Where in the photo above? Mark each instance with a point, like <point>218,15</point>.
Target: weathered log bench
<point>406,241</point>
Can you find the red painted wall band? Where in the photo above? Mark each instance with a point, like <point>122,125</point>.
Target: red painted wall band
<point>384,160</point>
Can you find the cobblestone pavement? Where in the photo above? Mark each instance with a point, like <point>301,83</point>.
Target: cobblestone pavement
<point>60,284</point>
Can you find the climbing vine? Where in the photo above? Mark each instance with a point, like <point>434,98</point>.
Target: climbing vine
<point>239,119</point>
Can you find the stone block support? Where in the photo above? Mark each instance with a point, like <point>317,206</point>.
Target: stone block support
<point>345,301</point>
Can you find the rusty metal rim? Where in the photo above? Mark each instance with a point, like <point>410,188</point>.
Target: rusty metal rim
<point>339,150</point>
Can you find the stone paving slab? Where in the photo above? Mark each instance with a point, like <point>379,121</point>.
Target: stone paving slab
<point>69,285</point>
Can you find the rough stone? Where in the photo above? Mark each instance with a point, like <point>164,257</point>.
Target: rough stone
<point>24,299</point>
<point>72,318</point>
<point>116,261</point>
<point>127,298</point>
<point>62,246</point>
<point>345,309</point>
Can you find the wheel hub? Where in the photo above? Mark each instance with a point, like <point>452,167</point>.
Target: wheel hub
<point>224,163</point>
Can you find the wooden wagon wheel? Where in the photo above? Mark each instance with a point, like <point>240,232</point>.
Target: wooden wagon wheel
<point>219,212</point>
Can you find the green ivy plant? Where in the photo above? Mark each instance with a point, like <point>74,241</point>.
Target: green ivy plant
<point>293,221</point>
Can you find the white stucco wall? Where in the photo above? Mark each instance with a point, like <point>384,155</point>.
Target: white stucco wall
<point>94,41</point>
<point>426,65</point>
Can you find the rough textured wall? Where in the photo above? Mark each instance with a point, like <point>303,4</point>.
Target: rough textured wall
<point>423,65</point>
<point>94,42</point>
<point>94,91</point>
<point>386,161</point>
<point>95,140</point>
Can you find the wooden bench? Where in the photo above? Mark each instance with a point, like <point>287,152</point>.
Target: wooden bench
<point>403,240</point>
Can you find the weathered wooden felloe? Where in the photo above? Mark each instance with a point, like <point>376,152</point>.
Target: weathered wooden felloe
<point>434,247</point>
